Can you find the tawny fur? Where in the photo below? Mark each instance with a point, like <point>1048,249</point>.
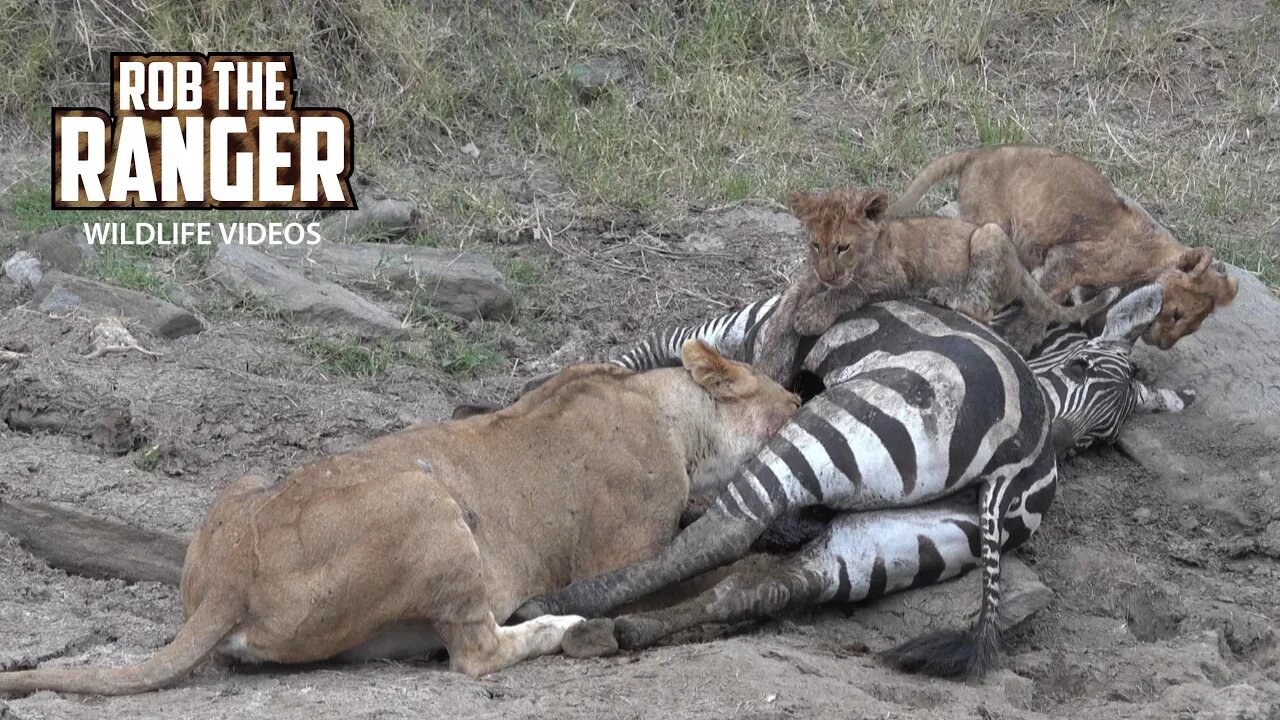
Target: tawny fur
<point>1065,217</point>
<point>858,255</point>
<point>443,529</point>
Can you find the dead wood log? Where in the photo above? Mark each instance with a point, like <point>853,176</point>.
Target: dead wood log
<point>85,545</point>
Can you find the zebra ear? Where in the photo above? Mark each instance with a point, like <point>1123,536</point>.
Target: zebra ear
<point>1130,316</point>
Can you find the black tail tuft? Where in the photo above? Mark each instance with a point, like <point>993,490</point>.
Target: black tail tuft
<point>949,653</point>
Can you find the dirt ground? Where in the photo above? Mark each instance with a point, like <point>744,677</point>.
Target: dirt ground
<point>1166,581</point>
<point>1155,615</point>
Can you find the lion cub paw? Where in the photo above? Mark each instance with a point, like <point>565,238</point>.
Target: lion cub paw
<point>814,319</point>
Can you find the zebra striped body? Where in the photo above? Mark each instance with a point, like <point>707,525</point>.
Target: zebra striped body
<point>921,404</point>
<point>733,334</point>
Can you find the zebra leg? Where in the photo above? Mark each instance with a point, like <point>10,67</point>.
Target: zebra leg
<point>778,341</point>
<point>712,540</point>
<point>951,653</point>
<point>1153,400</point>
<point>860,556</point>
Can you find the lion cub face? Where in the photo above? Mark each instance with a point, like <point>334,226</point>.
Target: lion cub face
<point>1192,290</point>
<point>842,226</point>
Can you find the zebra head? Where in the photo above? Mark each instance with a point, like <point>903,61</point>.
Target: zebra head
<point>1092,384</point>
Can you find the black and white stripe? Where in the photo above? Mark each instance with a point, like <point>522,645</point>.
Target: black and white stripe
<point>733,334</point>
<point>920,404</point>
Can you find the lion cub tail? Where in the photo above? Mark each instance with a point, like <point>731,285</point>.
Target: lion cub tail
<point>943,168</point>
<point>199,635</point>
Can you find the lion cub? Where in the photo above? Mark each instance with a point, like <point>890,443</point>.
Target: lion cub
<point>1067,221</point>
<point>858,255</point>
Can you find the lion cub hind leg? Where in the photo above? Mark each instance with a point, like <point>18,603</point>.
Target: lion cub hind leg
<point>990,252</point>
<point>483,647</point>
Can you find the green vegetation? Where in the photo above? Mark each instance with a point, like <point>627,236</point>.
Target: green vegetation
<point>349,357</point>
<point>726,101</point>
<point>445,348</point>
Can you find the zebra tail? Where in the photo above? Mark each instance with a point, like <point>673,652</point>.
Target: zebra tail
<point>956,654</point>
<point>965,654</point>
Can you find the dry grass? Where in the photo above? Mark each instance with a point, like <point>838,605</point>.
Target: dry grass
<point>725,102</point>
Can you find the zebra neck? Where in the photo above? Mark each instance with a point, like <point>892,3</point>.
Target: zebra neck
<point>1065,432</point>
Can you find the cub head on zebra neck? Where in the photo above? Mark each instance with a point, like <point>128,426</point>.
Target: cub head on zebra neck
<point>1092,384</point>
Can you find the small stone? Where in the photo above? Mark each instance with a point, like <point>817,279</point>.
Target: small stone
<point>66,249</point>
<point>590,78</point>
<point>379,219</point>
<point>63,294</point>
<point>471,150</point>
<point>23,269</point>
<point>1142,515</point>
<point>515,346</point>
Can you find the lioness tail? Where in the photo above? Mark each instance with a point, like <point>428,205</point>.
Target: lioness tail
<point>199,635</point>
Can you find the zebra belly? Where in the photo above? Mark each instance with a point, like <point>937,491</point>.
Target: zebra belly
<point>869,554</point>
<point>885,439</point>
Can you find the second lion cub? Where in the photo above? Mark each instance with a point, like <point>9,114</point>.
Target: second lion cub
<point>858,255</point>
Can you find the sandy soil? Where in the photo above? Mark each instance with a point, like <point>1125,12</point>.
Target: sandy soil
<point>1162,609</point>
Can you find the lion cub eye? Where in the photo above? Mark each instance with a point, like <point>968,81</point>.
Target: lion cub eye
<point>842,248</point>
<point>815,245</point>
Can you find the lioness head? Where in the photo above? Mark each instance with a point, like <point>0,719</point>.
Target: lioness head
<point>749,409</point>
<point>1192,290</point>
<point>842,226</point>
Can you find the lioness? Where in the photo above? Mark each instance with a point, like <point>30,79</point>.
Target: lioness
<point>858,254</point>
<point>433,535</point>
<point>1066,219</point>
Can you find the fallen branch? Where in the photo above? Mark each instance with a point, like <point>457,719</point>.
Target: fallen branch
<point>85,545</point>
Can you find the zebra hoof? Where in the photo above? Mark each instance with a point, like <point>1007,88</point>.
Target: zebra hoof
<point>634,632</point>
<point>592,638</point>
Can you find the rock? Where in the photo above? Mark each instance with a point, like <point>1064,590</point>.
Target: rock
<point>66,249</point>
<point>954,605</point>
<point>459,283</point>
<point>470,150</point>
<point>590,78</point>
<point>245,270</point>
<point>61,293</point>
<point>384,219</point>
<point>705,242</point>
<point>1220,454</point>
<point>23,269</point>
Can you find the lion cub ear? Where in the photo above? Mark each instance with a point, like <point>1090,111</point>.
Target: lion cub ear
<point>1196,260</point>
<point>873,204</point>
<point>1223,288</point>
<point>717,374</point>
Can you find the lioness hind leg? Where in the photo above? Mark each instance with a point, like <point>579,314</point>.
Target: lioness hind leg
<point>481,648</point>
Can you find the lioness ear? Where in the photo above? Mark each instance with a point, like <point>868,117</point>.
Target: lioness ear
<point>798,203</point>
<point>1195,261</point>
<point>1130,316</point>
<point>873,204</point>
<point>717,374</point>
